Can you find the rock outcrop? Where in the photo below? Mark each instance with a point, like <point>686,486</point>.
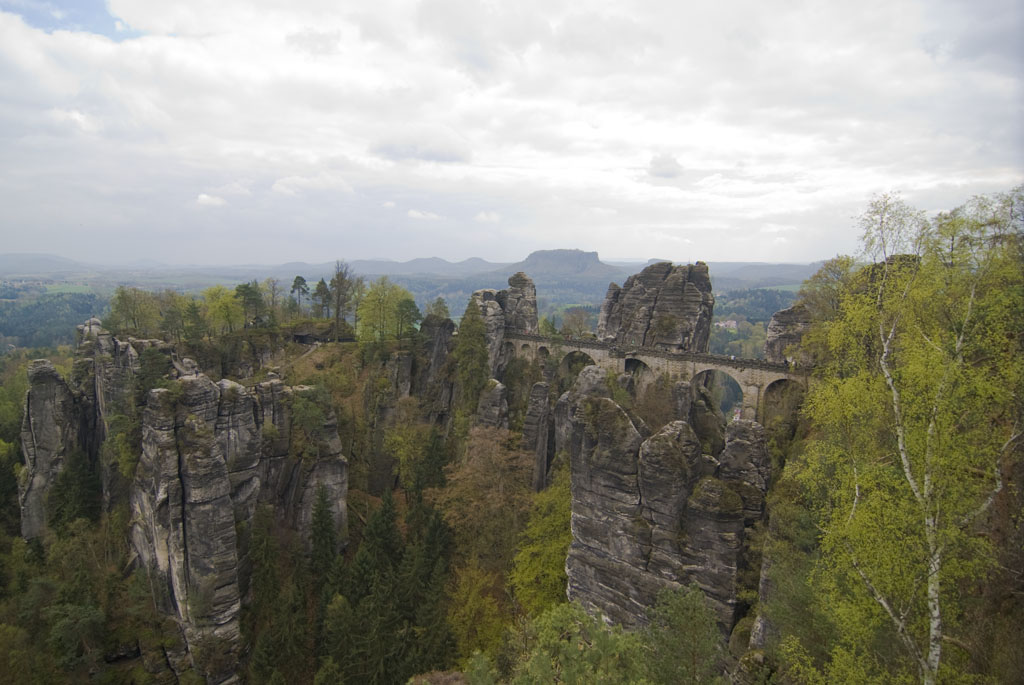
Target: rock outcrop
<point>492,408</point>
<point>50,432</point>
<point>664,306</point>
<point>539,433</point>
<point>210,452</point>
<point>431,381</point>
<point>657,512</point>
<point>786,328</point>
<point>512,309</point>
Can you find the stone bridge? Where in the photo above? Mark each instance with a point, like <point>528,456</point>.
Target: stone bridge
<point>755,377</point>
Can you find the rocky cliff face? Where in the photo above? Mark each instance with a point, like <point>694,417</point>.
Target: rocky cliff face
<point>539,434</point>
<point>666,307</point>
<point>786,327</point>
<point>50,432</point>
<point>654,512</point>
<point>511,309</point>
<point>210,452</point>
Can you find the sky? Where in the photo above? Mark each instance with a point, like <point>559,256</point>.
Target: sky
<point>263,132</point>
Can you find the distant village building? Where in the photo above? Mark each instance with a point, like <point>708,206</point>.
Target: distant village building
<point>731,324</point>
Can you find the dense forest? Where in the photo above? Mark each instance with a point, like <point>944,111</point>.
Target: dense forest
<point>891,550</point>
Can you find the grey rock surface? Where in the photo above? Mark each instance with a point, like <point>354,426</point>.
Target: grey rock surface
<point>664,306</point>
<point>49,433</point>
<point>539,433</point>
<point>492,408</point>
<point>654,513</point>
<point>786,328</point>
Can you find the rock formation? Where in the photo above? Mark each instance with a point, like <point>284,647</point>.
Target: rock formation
<point>209,453</point>
<point>787,327</point>
<point>492,408</point>
<point>666,307</point>
<point>539,434</point>
<point>512,309</point>
<point>50,432</point>
<point>656,512</point>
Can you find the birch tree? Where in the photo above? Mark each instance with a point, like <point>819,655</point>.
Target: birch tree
<point>918,414</point>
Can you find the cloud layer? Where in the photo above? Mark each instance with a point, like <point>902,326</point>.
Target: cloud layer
<point>241,131</point>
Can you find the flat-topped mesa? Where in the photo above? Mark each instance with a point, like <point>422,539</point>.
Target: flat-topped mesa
<point>664,306</point>
<point>513,309</point>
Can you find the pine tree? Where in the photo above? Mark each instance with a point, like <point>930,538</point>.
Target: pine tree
<point>472,365</point>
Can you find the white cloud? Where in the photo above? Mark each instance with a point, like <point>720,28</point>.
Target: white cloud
<point>664,166</point>
<point>210,200</point>
<point>295,185</point>
<point>679,119</point>
<point>421,215</point>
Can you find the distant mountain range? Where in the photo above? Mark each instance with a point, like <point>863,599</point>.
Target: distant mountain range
<point>561,276</point>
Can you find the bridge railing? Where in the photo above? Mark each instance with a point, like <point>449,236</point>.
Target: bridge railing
<point>635,351</point>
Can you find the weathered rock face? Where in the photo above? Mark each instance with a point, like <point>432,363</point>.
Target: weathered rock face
<point>512,309</point>
<point>183,518</point>
<point>666,307</point>
<point>539,433</point>
<point>786,327</point>
<point>492,408</point>
<point>657,512</point>
<point>431,382</point>
<point>519,303</point>
<point>50,431</point>
<point>210,452</point>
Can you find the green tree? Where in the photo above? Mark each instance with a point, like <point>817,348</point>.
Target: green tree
<point>571,647</point>
<point>538,576</point>
<point>341,294</point>
<point>134,311</point>
<point>439,308</point>
<point>682,642</point>
<point>472,365</point>
<point>322,300</point>
<point>407,316</point>
<point>299,289</point>
<point>224,309</point>
<point>379,311</point>
<point>918,410</point>
<point>324,536</point>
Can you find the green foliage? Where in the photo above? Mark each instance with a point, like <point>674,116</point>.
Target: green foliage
<point>75,493</point>
<point>476,617</point>
<point>682,643</point>
<point>46,320</point>
<point>917,409</point>
<point>134,311</point>
<point>324,536</point>
<point>437,307</point>
<point>386,312</point>
<point>754,304</point>
<point>570,646</point>
<point>538,576</point>
<point>487,496</point>
<point>472,367</point>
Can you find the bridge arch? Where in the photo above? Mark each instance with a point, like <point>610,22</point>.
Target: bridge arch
<point>569,368</point>
<point>782,399</point>
<point>643,375</point>
<point>726,390</point>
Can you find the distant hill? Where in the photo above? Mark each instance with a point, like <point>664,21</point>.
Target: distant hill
<point>31,264</point>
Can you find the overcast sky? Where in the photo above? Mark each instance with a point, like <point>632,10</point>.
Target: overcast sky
<point>258,131</point>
